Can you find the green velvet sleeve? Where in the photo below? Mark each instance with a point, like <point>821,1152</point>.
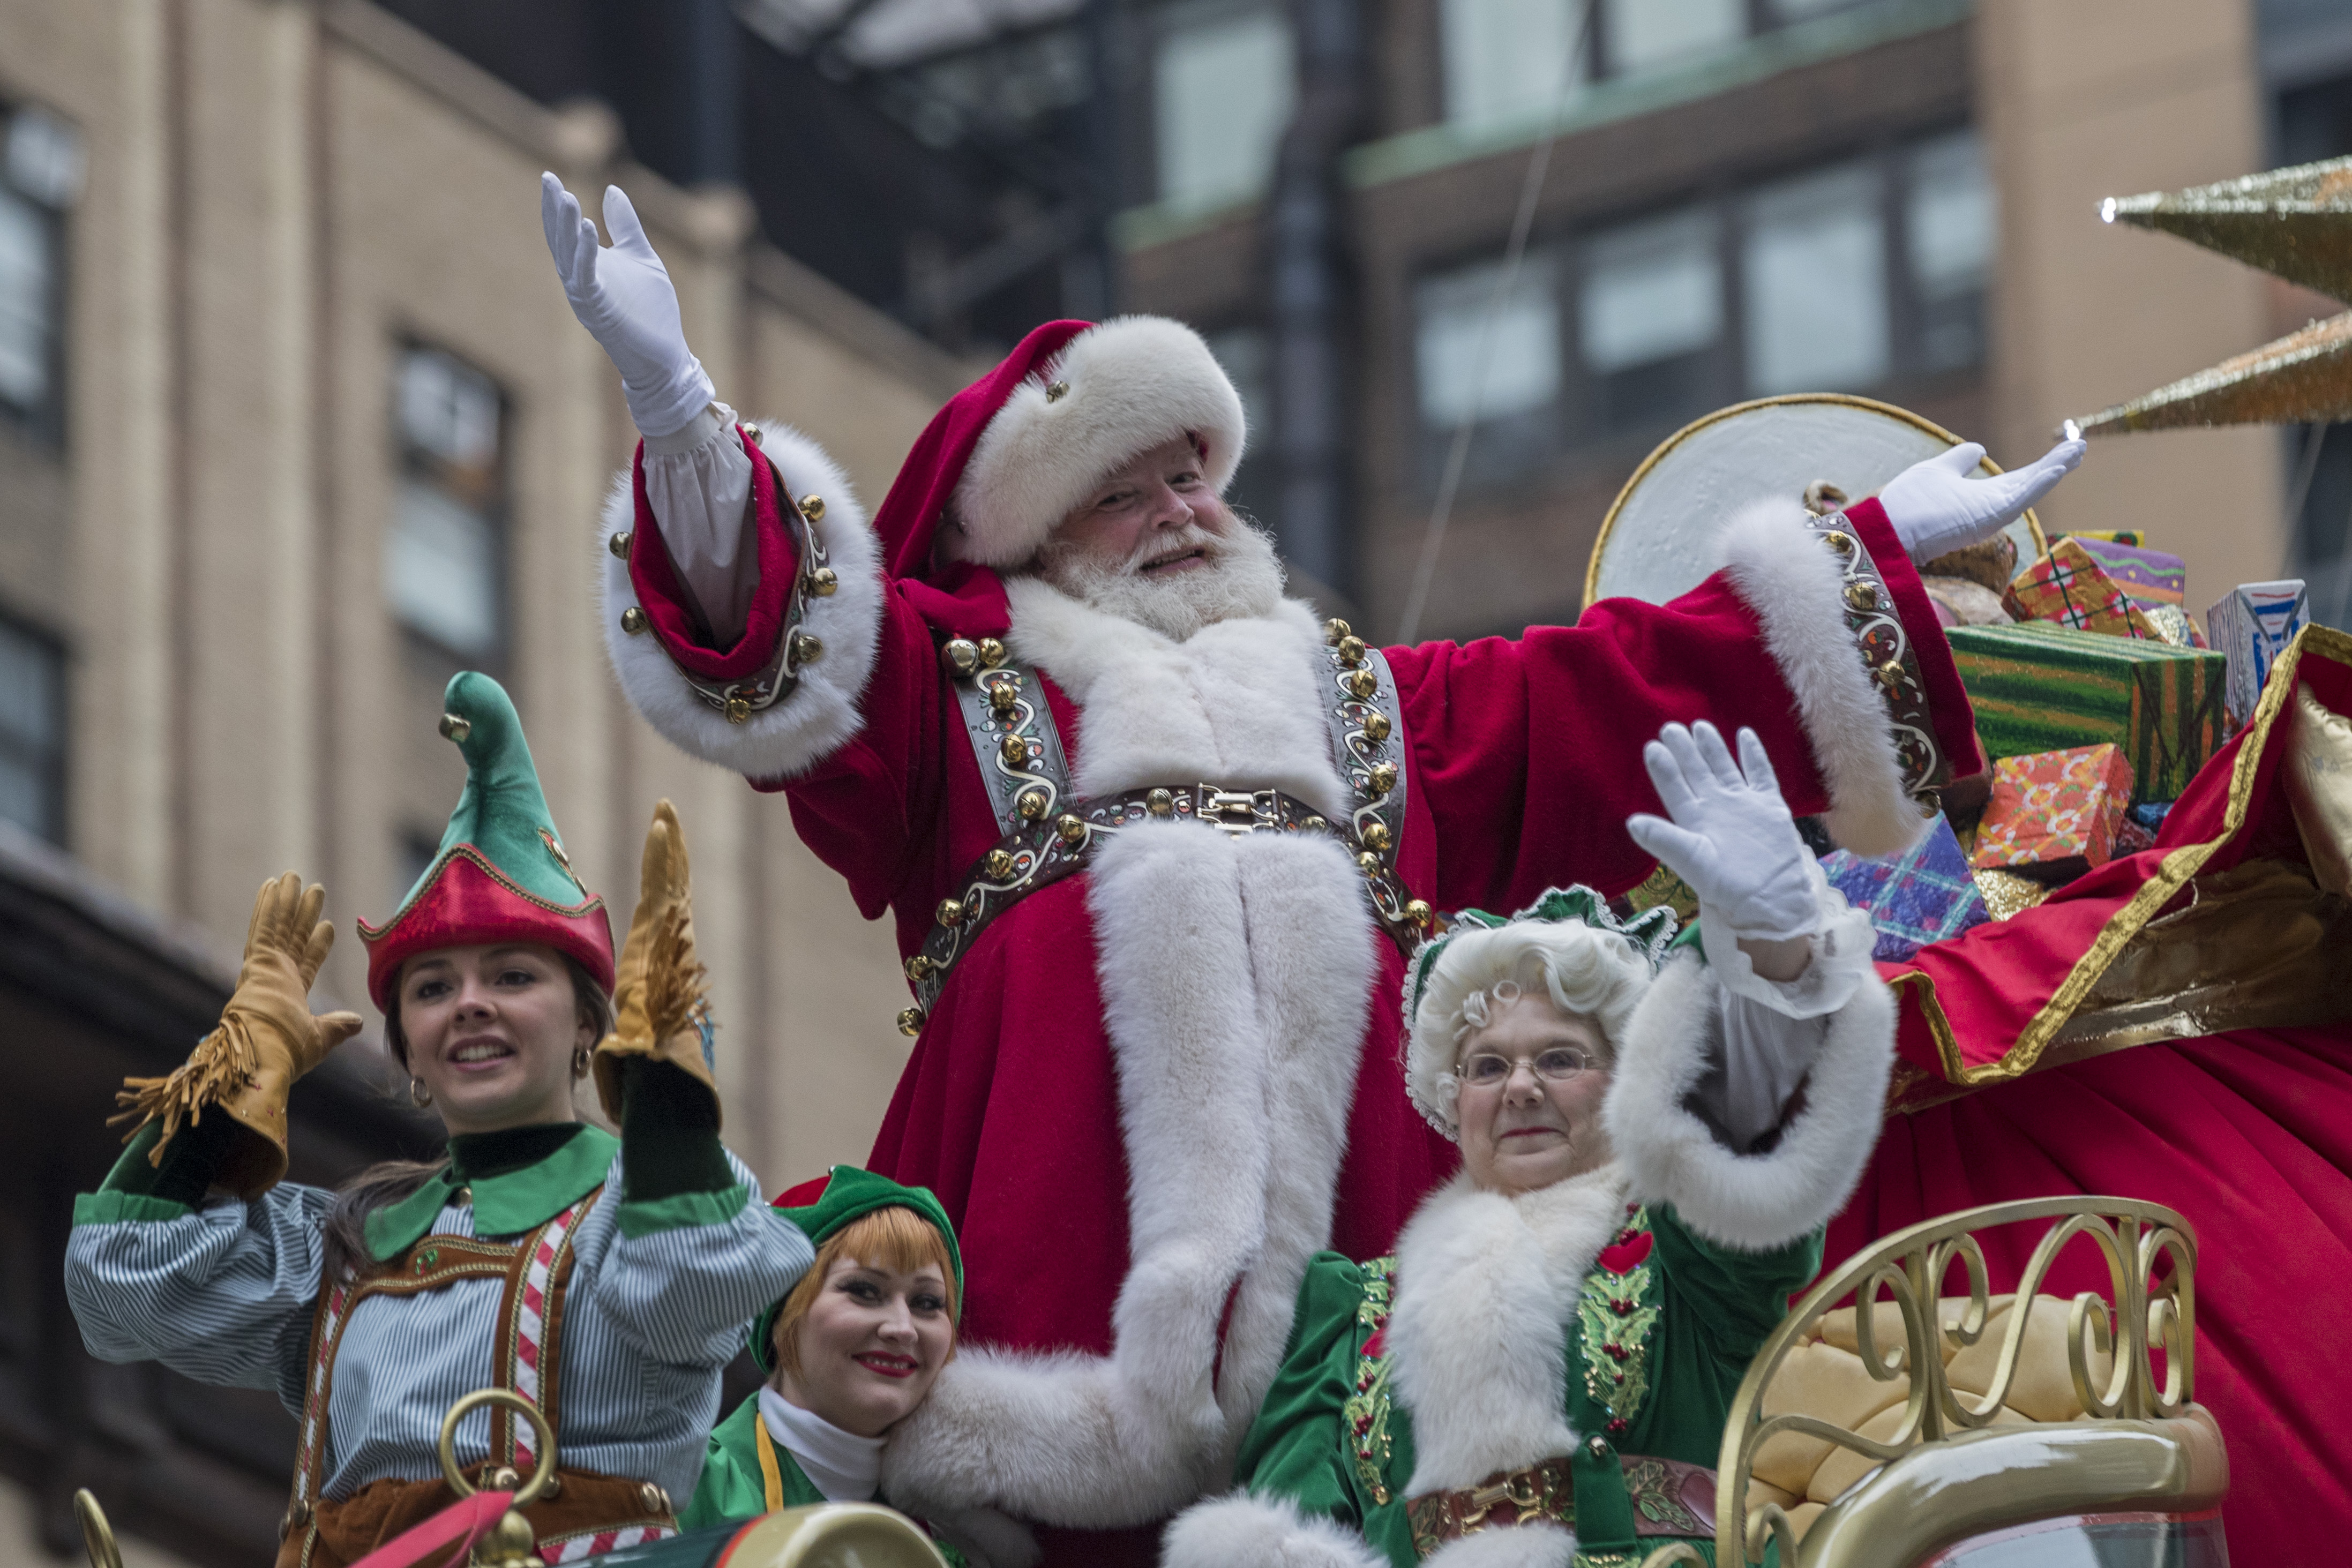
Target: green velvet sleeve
<point>185,1171</point>
<point>1293,1448</point>
<point>669,1134</point>
<point>1734,1299</point>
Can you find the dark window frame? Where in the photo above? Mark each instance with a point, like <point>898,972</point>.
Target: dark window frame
<point>54,770</point>
<point>411,460</point>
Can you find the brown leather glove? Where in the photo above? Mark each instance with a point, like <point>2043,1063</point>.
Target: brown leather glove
<point>267,1037</point>
<point>659,1010</point>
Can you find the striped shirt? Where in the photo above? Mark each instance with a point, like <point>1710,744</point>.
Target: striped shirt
<point>224,1294</point>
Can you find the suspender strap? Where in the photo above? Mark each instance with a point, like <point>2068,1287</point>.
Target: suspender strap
<point>536,1271</point>
<point>1011,726</point>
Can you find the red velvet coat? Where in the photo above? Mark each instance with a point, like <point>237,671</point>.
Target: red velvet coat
<point>1018,1107</point>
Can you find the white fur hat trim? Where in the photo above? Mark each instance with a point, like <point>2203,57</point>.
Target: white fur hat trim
<point>1117,390</point>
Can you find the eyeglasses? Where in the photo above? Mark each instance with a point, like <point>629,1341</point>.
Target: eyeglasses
<point>1490,1069</point>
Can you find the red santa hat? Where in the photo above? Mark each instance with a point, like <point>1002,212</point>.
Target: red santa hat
<point>1012,453</point>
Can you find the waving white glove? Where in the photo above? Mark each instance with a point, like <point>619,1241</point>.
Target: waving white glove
<point>624,296</point>
<point>1732,838</point>
<point>1935,507</point>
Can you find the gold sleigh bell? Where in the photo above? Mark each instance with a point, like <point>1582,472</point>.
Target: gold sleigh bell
<point>510,1543</point>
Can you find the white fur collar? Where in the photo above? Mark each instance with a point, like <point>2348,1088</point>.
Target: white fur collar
<point>1238,704</point>
<point>1485,1285</point>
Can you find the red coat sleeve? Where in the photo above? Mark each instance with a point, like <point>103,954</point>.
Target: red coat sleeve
<point>1526,755</point>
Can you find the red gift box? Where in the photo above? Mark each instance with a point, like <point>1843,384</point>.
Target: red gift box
<point>2054,814</point>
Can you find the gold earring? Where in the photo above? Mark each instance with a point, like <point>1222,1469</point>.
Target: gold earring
<point>579,1062</point>
<point>419,1095</point>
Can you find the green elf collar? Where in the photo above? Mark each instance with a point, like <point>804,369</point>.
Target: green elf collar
<point>511,1200</point>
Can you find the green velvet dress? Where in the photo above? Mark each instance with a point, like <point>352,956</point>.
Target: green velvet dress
<point>1657,1344</point>
<point>732,1486</point>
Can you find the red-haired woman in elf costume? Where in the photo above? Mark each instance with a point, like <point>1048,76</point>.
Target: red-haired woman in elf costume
<point>849,1352</point>
<point>605,1282</point>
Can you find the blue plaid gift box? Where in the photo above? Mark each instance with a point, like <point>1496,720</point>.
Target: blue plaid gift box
<point>1921,897</point>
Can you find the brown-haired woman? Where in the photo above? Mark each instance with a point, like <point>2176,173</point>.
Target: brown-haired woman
<point>604,1281</point>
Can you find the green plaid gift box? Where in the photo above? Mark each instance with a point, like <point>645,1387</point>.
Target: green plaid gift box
<point>2038,687</point>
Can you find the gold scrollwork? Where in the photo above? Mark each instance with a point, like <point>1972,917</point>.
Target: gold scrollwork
<point>2126,1330</point>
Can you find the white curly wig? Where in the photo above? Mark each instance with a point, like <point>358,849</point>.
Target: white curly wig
<point>1594,973</point>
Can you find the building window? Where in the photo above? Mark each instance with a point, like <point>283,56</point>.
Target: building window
<point>1815,283</point>
<point>1650,35</point>
<point>1508,61</point>
<point>1949,227</point>
<point>444,553</point>
<point>1483,357</point>
<point>43,175</point>
<point>1650,315</point>
<point>32,733</point>
<point>1223,87</point>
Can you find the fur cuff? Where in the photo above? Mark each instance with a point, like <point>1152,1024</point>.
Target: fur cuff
<point>1118,389</point>
<point>1060,1438</point>
<point>1783,574</point>
<point>1520,1546</point>
<point>1246,1531</point>
<point>1752,1202</point>
<point>820,715</point>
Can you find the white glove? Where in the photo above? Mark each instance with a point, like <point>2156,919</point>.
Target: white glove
<point>1732,838</point>
<point>624,296</point>
<point>1935,507</point>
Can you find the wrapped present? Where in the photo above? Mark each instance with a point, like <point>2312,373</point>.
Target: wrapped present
<point>2054,814</point>
<point>2037,687</point>
<point>2106,536</point>
<point>2150,814</point>
<point>2172,624</point>
<point>2006,894</point>
<point>2132,836</point>
<point>2252,626</point>
<point>1922,895</point>
<point>2068,587</point>
<point>2149,576</point>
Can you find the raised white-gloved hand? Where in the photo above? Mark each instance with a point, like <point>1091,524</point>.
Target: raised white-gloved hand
<point>624,296</point>
<point>1935,507</point>
<point>1732,838</point>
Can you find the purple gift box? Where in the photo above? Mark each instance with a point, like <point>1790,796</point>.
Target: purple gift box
<point>2149,576</point>
<point>1920,896</point>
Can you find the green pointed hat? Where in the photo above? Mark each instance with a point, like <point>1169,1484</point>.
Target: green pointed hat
<point>824,1206</point>
<point>501,875</point>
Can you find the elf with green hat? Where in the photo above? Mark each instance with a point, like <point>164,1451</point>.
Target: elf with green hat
<point>603,1280</point>
<point>849,1352</point>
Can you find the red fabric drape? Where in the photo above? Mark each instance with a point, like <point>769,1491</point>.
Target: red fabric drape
<point>2248,1135</point>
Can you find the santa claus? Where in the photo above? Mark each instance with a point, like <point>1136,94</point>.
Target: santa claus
<point>1156,838</point>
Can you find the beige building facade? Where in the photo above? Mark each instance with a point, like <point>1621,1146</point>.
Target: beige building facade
<point>318,430</point>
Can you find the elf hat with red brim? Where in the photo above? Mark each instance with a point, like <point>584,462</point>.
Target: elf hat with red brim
<point>501,875</point>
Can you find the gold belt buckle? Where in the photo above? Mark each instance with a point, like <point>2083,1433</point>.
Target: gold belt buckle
<point>1237,812</point>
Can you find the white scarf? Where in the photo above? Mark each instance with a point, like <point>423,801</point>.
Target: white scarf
<point>844,1466</point>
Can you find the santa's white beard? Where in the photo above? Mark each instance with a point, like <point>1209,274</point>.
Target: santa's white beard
<point>1240,577</point>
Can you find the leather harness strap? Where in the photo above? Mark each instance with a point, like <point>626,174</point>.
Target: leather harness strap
<point>535,1270</point>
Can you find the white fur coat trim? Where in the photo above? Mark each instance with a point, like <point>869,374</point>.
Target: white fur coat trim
<point>1128,385</point>
<point>1246,1531</point>
<point>1239,703</point>
<point>821,714</point>
<point>1751,1202</point>
<point>1235,976</point>
<point>1483,1284</point>
<point>1783,571</point>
